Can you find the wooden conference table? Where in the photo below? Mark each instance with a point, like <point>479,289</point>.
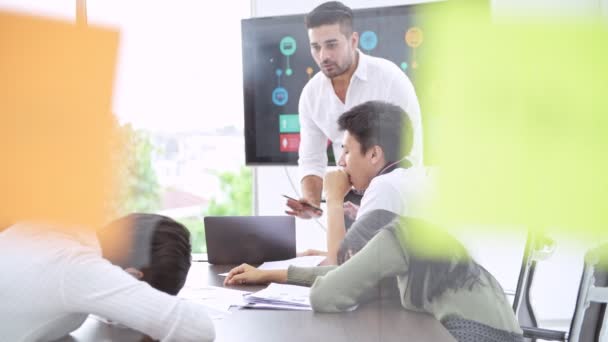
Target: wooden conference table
<point>380,320</point>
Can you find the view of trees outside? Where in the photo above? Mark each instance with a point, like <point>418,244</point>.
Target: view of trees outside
<point>139,190</point>
<point>236,199</point>
<point>183,103</point>
<point>200,173</point>
<point>178,175</point>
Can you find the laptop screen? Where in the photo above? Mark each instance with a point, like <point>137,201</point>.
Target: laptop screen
<point>249,239</point>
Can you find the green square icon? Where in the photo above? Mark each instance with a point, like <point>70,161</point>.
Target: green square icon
<point>289,123</point>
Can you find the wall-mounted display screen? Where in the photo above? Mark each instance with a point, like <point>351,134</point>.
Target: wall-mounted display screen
<point>277,64</point>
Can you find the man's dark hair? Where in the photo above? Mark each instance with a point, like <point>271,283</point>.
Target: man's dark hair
<point>330,13</point>
<point>156,245</point>
<point>380,123</point>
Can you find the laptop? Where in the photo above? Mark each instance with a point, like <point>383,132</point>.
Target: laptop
<point>249,239</point>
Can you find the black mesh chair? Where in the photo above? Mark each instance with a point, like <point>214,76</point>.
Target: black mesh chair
<point>590,321</point>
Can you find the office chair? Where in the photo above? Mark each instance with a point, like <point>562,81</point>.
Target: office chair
<point>538,247</point>
<point>590,320</point>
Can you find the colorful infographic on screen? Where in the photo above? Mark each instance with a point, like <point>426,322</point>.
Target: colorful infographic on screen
<point>277,64</point>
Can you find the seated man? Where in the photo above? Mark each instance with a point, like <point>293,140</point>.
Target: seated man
<point>53,277</point>
<point>378,139</point>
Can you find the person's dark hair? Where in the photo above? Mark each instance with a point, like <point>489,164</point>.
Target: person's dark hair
<point>380,123</point>
<point>451,269</point>
<point>330,13</point>
<point>156,245</point>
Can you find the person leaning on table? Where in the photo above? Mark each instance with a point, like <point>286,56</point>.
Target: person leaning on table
<point>53,277</point>
<point>452,287</point>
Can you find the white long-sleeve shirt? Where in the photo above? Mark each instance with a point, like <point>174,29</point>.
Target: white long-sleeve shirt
<point>319,109</point>
<point>51,281</point>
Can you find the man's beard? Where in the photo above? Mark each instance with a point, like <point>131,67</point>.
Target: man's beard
<point>337,70</point>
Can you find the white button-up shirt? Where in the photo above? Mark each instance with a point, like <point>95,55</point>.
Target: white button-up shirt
<point>51,281</point>
<point>319,109</point>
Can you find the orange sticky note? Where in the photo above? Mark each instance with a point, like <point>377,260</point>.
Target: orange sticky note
<point>56,124</point>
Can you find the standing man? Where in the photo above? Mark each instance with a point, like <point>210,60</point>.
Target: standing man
<point>347,78</point>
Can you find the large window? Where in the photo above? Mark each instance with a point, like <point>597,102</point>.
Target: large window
<point>178,98</point>
<point>179,88</point>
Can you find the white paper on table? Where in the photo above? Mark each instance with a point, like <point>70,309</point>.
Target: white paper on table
<point>281,294</point>
<point>303,261</point>
<point>217,298</point>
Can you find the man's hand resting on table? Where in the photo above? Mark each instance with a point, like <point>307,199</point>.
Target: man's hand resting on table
<point>247,274</point>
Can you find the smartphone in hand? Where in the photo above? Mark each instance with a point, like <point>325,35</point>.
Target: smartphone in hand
<point>305,204</point>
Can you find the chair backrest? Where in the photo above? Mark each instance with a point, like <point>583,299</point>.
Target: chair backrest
<point>590,321</point>
<point>538,247</point>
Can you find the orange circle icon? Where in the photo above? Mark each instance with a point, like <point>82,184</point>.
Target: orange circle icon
<point>413,37</point>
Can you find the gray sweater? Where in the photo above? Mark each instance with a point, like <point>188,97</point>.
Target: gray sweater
<point>337,289</point>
